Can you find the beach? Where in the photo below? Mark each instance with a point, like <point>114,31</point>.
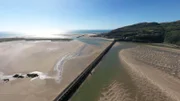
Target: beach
<point>54,65</point>
<point>41,70</point>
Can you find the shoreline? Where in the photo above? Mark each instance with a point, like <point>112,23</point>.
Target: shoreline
<point>34,39</point>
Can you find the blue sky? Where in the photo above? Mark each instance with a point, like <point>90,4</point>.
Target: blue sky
<point>53,16</point>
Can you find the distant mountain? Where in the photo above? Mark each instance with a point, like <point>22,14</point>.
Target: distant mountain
<point>148,32</point>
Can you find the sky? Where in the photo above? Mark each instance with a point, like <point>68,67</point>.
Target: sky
<point>55,16</point>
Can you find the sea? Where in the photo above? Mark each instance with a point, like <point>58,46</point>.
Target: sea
<point>72,32</point>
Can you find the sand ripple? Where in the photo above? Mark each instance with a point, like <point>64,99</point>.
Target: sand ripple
<point>143,63</point>
<point>115,92</point>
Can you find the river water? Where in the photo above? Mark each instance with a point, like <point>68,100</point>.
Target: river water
<point>107,71</point>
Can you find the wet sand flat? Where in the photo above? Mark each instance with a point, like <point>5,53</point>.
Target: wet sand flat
<point>155,71</point>
<point>59,63</point>
<point>25,56</point>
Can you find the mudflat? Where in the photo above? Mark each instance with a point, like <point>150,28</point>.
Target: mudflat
<point>56,64</point>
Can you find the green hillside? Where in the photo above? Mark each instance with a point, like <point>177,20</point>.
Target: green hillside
<point>172,33</point>
<point>148,32</point>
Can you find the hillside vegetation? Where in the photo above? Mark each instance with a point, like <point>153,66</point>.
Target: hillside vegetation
<point>148,32</point>
<point>172,33</point>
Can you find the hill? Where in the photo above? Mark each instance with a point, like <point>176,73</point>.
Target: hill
<point>172,32</point>
<point>148,32</point>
